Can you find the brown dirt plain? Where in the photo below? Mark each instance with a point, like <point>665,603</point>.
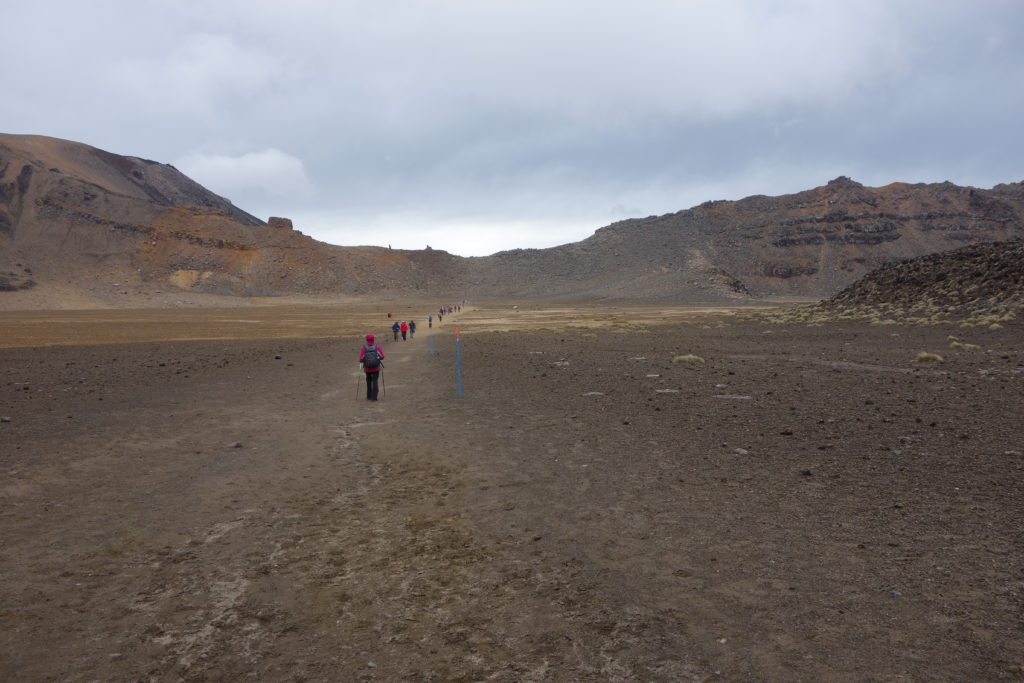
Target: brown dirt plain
<point>200,495</point>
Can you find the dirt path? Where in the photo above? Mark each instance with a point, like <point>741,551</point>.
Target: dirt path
<point>805,505</point>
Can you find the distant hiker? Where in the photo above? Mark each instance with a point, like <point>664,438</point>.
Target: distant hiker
<point>395,328</point>
<point>440,314</point>
<point>412,329</point>
<point>389,315</point>
<point>430,321</point>
<point>405,329</point>
<point>371,357</point>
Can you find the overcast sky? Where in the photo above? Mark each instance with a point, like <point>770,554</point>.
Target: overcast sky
<point>481,125</point>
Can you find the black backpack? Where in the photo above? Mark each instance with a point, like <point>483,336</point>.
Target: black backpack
<point>371,359</point>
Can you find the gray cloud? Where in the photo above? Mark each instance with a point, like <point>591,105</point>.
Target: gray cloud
<point>500,118</point>
<point>270,172</point>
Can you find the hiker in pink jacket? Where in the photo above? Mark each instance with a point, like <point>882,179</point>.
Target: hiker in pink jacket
<point>370,357</point>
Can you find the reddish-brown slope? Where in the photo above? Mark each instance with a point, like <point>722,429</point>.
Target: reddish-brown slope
<point>81,217</point>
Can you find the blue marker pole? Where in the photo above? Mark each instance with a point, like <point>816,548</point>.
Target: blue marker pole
<point>458,364</point>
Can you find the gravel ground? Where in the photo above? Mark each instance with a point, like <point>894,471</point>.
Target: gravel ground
<point>798,503</point>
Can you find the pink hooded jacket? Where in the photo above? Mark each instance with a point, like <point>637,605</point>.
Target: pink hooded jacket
<point>362,352</point>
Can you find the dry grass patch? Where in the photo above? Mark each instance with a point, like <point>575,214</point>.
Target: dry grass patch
<point>629,328</point>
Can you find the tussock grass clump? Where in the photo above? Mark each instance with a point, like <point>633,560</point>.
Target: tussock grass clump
<point>781,316</point>
<point>928,311</point>
<point>628,328</point>
<point>688,358</point>
<point>926,357</point>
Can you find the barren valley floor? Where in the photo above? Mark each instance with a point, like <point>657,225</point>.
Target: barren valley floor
<point>210,499</point>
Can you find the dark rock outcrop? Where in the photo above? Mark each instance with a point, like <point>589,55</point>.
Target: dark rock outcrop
<point>976,280</point>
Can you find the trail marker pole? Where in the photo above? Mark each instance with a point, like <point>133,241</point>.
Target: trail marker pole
<point>458,364</point>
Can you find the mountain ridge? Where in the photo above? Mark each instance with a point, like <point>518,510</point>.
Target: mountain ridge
<point>76,218</point>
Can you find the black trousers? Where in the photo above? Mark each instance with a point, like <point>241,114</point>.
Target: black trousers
<point>371,385</point>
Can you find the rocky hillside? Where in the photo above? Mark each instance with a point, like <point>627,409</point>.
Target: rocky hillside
<point>978,285</point>
<point>78,220</point>
<point>81,220</point>
<point>974,282</point>
<point>810,244</point>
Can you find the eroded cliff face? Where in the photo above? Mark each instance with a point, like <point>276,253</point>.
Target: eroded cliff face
<point>216,256</point>
<point>13,187</point>
<point>819,241</point>
<point>83,218</point>
<point>806,245</point>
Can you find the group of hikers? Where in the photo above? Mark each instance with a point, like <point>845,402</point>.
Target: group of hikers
<point>371,354</point>
<point>448,310</point>
<point>406,328</point>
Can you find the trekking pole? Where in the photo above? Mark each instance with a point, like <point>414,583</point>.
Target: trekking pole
<point>458,364</point>
<point>382,385</point>
<point>357,385</point>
